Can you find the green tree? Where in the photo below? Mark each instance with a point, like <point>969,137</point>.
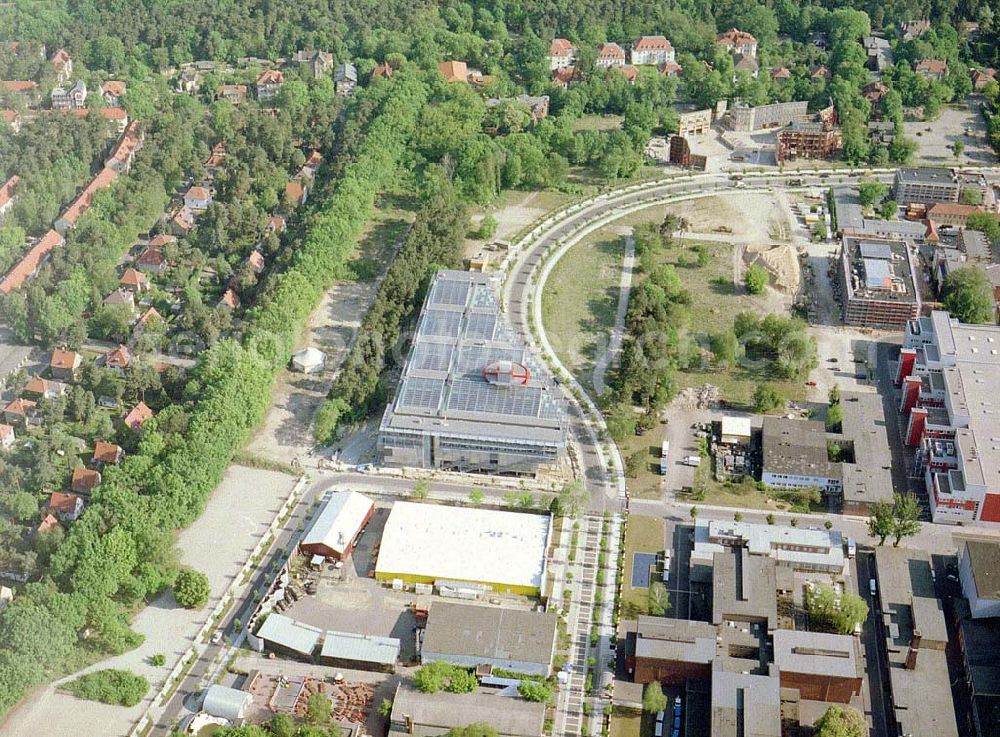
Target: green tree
<point>476,496</point>
<point>191,589</point>
<point>881,522</point>
<point>693,513</point>
<point>478,729</point>
<point>906,517</point>
<point>634,463</point>
<point>653,698</point>
<point>535,691</point>
<point>421,489</point>
<point>487,227</point>
<point>968,295</point>
<point>318,708</point>
<point>766,398</point>
<point>971,197</point>
<point>834,418</point>
<point>756,279</point>
<point>840,721</point>
<point>657,598</point>
<point>573,499</point>
<point>958,148</point>
<point>888,209</point>
<point>119,687</point>
<point>871,191</point>
<point>725,348</point>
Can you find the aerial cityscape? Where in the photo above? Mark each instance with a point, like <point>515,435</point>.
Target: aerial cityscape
<point>492,369</point>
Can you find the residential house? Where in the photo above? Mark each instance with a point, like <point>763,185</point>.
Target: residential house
<point>879,53</point>
<point>454,71</point>
<point>951,213</point>
<point>84,480</point>
<point>230,300</point>
<point>382,71</point>
<point>345,79</point>
<point>137,416</point>
<point>19,412</point>
<point>71,98</point>
<point>62,63</point>
<point>747,64</point>
<point>269,84</point>
<point>151,260</point>
<point>738,42</point>
<point>106,454</point>
<point>182,221</point>
<point>256,261</point>
<point>296,193</point>
<point>31,262</point>
<point>129,143</point>
<point>134,281</point>
<point>235,93</point>
<point>874,91</point>
<point>564,77</point>
<point>26,89</point>
<point>670,69</point>
<point>982,77</point>
<point>931,69</point>
<point>79,207</point>
<point>653,50</point>
<point>161,240</point>
<point>319,63</point>
<point>562,54</point>
<point>7,436</point>
<point>780,74</point>
<point>11,118</point>
<point>39,388</point>
<point>145,319</point>
<point>66,507</point>
<point>913,29</point>
<point>7,195</point>
<point>311,165</point>
<point>630,72</point>
<point>188,81</point>
<point>116,115</point>
<point>118,359</point>
<point>121,298</point>
<point>113,92</point>
<point>610,55</point>
<point>48,524</point>
<point>276,224</point>
<point>197,198</point>
<point>819,72</point>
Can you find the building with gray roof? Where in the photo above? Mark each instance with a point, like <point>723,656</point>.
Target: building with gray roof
<point>795,456</point>
<point>979,641</point>
<point>361,652</point>
<point>926,185</point>
<point>979,572</point>
<point>285,636</point>
<point>881,289</point>
<point>427,715</point>
<point>226,703</point>
<point>743,588</point>
<point>868,479</point>
<point>472,396</point>
<point>745,705</point>
<point>469,635</point>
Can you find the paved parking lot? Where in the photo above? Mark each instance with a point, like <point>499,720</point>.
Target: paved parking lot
<point>936,138</point>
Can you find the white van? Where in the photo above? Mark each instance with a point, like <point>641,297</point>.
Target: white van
<point>871,586</point>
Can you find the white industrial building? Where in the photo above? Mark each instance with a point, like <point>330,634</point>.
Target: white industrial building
<point>452,546</point>
<point>802,550</point>
<point>333,533</point>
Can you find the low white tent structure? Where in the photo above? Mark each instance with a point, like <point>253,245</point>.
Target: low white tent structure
<point>226,703</point>
<point>308,360</point>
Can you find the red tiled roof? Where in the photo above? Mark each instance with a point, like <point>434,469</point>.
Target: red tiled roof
<point>7,190</point>
<point>30,262</point>
<point>271,76</point>
<point>20,406</point>
<point>564,76</point>
<point>84,479</point>
<point>158,241</point>
<point>67,360</point>
<point>276,223</point>
<point>137,416</point>
<point>49,523</point>
<point>132,278</point>
<point>314,159</point>
<point>113,87</point>
<point>951,208</point>
<point>149,315</point>
<point>670,69</point>
<point>113,113</point>
<point>561,47</point>
<point>610,50</point>
<point>60,58</point>
<point>780,73</point>
<point>6,431</point>
<point>256,260</point>
<point>382,71</point>
<point>454,71</point>
<point>19,85</point>
<point>230,299</point>
<point>8,116</point>
<point>295,191</point>
<point>106,452</point>
<point>128,142</point>
<point>736,37</point>
<point>104,179</point>
<point>630,72</point>
<point>931,66</point>
<point>151,256</point>
<point>63,503</point>
<point>652,43</point>
<point>197,193</point>
<point>37,385</point>
<point>118,358</point>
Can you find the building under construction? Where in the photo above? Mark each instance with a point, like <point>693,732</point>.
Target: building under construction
<point>879,283</point>
<point>472,397</point>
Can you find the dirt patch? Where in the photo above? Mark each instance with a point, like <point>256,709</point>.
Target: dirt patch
<point>751,218</point>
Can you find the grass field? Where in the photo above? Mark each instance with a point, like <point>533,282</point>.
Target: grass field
<point>580,299</point>
<point>598,123</point>
<point>644,535</point>
<point>383,234</point>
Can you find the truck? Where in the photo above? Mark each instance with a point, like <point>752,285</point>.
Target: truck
<point>664,452</point>
<point>692,461</point>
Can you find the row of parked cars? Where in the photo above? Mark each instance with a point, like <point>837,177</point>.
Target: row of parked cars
<point>662,721</point>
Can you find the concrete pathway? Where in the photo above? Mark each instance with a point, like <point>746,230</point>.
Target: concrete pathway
<point>618,331</point>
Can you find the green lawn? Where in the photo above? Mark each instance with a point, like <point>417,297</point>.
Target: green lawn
<point>598,123</point>
<point>580,300</point>
<point>383,235</point>
<point>644,535</point>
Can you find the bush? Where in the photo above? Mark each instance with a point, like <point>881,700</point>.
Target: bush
<point>487,227</point>
<point>653,698</point>
<point>439,676</point>
<point>158,660</point>
<point>767,399</point>
<point>119,687</point>
<point>535,691</point>
<point>191,589</point>
<point>756,279</point>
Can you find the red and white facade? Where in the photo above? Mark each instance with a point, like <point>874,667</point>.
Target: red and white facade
<point>562,54</point>
<point>610,55</point>
<point>653,50</point>
<point>949,373</point>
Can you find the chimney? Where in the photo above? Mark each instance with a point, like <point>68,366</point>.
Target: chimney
<point>911,654</point>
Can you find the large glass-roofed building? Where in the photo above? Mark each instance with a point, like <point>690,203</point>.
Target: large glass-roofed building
<point>472,397</point>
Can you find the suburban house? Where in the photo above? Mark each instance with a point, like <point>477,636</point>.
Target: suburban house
<point>670,69</point>
<point>235,93</point>
<point>113,91</point>
<point>269,84</point>
<point>745,63</point>
<point>382,71</point>
<point>562,54</point>
<point>129,143</point>
<point>182,221</point>
<point>913,29</point>
<point>134,281</point>
<point>652,50</point>
<point>319,63</point>
<point>8,195</point>
<point>62,63</point>
<point>11,118</point>
<point>144,320</point>
<point>151,260</point>
<point>118,360</point>
<point>31,262</point>
<point>84,480</point>
<point>610,55</point>
<point>27,89</point>
<point>296,193</point>
<point>931,69</point>
<point>7,437</point>
<point>66,507</point>
<point>345,79</point>
<point>564,77</point>
<point>780,74</point>
<point>116,115</point>
<point>738,42</point>
<point>276,224</point>
<point>49,523</point>
<point>631,73</point>
<point>454,71</point>
<point>79,207</point>
<point>819,72</point>
<point>39,388</point>
<point>256,261</point>
<point>19,412</point>
<point>197,198</point>
<point>64,365</point>
<point>72,98</point>
<point>982,77</point>
<point>107,453</point>
<point>120,298</point>
<point>230,299</point>
<point>137,416</point>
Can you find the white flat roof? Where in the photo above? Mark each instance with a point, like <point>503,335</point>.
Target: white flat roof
<point>463,544</point>
<point>739,426</point>
<point>339,521</point>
